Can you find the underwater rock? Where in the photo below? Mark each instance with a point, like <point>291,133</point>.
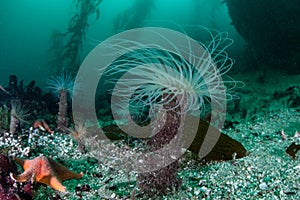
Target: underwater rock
<point>290,96</point>
<point>30,97</point>
<point>8,189</point>
<point>292,150</point>
<point>6,165</point>
<point>224,149</point>
<point>271,29</point>
<point>13,87</point>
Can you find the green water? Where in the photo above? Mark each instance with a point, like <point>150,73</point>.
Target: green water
<point>27,27</point>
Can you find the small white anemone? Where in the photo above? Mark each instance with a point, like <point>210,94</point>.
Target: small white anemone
<point>19,111</point>
<point>59,82</point>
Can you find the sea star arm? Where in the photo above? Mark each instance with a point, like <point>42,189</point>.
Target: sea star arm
<point>56,184</point>
<point>63,172</point>
<point>25,176</point>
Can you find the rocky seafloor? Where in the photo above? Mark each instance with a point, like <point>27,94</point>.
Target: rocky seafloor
<point>266,128</point>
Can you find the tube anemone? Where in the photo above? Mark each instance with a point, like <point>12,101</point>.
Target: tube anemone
<point>60,82</point>
<point>61,86</point>
<point>18,114</point>
<point>181,81</point>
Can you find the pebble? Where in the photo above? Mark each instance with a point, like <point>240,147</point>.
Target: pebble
<point>263,186</point>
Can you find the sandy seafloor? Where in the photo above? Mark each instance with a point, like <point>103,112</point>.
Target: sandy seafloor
<point>267,172</point>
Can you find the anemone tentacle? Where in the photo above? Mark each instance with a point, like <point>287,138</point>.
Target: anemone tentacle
<point>156,72</point>
<point>61,81</point>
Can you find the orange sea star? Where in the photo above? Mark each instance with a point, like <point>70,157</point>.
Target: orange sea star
<point>44,170</point>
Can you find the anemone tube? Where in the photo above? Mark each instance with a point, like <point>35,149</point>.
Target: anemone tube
<point>165,178</point>
<point>62,109</point>
<point>62,86</point>
<point>14,124</point>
